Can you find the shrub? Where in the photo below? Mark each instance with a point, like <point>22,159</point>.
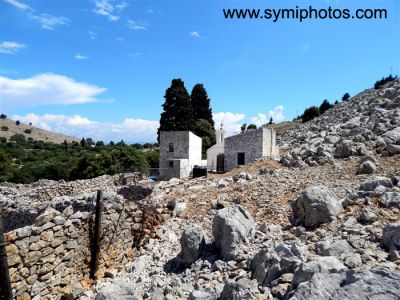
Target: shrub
<point>3,116</point>
<point>251,127</point>
<point>4,128</point>
<point>383,81</point>
<point>310,113</point>
<point>325,105</point>
<point>346,97</point>
<point>17,123</point>
<point>28,131</point>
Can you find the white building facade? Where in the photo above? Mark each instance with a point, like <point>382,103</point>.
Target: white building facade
<point>215,154</point>
<point>180,151</point>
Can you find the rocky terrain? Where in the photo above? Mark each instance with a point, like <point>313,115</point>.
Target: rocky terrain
<point>323,223</point>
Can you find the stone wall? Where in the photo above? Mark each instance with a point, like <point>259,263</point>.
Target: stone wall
<point>254,144</point>
<point>51,257</point>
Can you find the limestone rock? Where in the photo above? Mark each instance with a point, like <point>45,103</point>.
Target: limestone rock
<point>366,167</point>
<point>192,243</point>
<point>390,199</point>
<point>268,265</point>
<point>357,285</point>
<point>231,227</point>
<point>391,239</point>
<point>324,264</point>
<point>241,289</point>
<point>118,290</point>
<point>316,205</point>
<point>372,184</point>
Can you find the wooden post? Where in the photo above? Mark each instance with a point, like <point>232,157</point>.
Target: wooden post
<point>5,282</point>
<point>96,235</point>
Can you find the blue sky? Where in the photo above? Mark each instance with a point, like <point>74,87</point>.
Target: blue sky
<point>100,68</point>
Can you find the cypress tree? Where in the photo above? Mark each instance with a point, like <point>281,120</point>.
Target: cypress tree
<point>178,112</point>
<point>201,104</point>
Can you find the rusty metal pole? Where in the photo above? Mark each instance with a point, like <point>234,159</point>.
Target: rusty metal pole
<point>5,282</point>
<point>96,236</point>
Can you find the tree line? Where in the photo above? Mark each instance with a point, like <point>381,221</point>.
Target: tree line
<point>25,160</point>
<point>315,111</point>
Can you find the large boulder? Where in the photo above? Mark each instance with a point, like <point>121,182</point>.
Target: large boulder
<point>268,265</point>
<point>333,248</point>
<point>391,240</point>
<point>372,184</point>
<point>355,285</point>
<point>231,227</point>
<point>324,264</point>
<point>118,290</point>
<point>192,243</point>
<point>316,205</point>
<point>241,289</point>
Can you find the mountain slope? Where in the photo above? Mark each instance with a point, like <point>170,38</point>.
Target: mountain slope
<point>36,133</point>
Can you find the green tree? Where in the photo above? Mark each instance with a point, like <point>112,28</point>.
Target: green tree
<point>252,127</point>
<point>325,105</point>
<point>243,128</point>
<point>153,158</point>
<point>5,165</point>
<point>271,121</point>
<point>310,113</point>
<point>206,131</point>
<point>178,112</point>
<point>201,104</point>
<point>17,123</point>
<point>18,138</point>
<point>346,97</point>
<point>3,116</point>
<point>83,143</point>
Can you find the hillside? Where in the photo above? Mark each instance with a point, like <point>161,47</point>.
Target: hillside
<point>36,133</point>
<point>323,223</point>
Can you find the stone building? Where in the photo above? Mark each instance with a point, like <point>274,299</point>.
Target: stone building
<point>246,147</point>
<point>180,151</point>
<point>215,154</point>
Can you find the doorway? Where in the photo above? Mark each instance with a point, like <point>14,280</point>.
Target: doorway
<point>240,159</point>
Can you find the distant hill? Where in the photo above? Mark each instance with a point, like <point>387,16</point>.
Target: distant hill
<point>35,132</point>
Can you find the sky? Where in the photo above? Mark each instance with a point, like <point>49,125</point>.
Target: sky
<point>100,68</point>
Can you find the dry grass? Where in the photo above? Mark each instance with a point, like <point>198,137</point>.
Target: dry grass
<point>36,133</point>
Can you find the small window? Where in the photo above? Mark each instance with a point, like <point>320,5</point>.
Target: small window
<point>171,147</point>
<point>171,164</point>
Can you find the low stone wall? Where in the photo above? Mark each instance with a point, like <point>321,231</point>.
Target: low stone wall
<point>51,257</point>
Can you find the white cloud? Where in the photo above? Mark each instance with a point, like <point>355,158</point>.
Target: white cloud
<point>105,8</point>
<point>261,119</point>
<point>135,25</point>
<point>18,4</point>
<point>93,35</point>
<point>130,130</point>
<point>195,34</point>
<point>8,47</point>
<point>276,114</point>
<point>46,89</point>
<point>47,21</point>
<point>80,56</point>
<point>231,121</point>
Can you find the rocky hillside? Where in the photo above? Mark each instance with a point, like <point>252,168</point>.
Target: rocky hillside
<point>322,224</point>
<point>8,128</point>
